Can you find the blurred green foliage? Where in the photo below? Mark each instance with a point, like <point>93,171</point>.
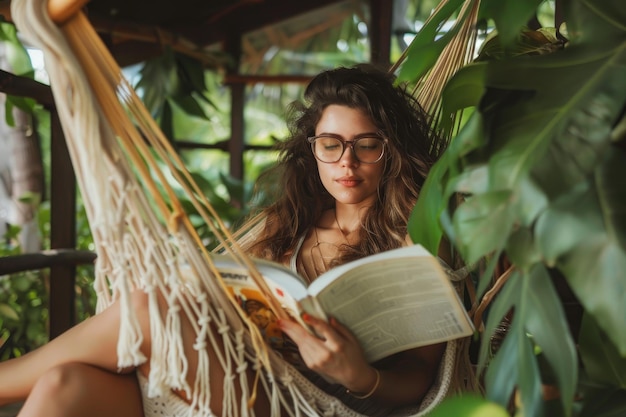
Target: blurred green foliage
<point>23,305</point>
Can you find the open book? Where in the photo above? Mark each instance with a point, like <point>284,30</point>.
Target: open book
<point>391,301</point>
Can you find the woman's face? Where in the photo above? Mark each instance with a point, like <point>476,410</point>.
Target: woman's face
<point>348,180</point>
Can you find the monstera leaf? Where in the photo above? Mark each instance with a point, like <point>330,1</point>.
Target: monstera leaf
<point>543,182</point>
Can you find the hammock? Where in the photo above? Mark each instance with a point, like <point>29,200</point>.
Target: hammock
<point>143,238</point>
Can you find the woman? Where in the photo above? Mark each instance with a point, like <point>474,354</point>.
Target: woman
<point>348,178</point>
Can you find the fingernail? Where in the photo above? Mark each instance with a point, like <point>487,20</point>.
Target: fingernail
<point>306,317</point>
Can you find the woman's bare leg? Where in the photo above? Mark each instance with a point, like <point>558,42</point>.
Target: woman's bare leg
<point>79,390</point>
<point>92,342</point>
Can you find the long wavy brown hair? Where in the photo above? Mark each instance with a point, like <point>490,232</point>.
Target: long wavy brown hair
<point>299,196</point>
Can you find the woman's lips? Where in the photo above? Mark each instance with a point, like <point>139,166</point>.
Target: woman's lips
<point>349,181</point>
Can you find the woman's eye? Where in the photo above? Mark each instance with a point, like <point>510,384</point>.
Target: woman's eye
<point>368,144</point>
<point>330,144</point>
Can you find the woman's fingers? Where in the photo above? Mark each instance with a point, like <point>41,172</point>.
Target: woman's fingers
<point>334,352</point>
<point>294,330</point>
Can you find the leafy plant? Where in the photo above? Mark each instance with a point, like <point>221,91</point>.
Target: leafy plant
<point>541,162</point>
<point>23,305</point>
<point>19,60</point>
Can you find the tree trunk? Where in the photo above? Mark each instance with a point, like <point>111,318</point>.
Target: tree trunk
<point>21,172</point>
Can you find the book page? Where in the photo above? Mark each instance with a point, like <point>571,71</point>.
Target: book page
<point>396,304</point>
<point>286,287</point>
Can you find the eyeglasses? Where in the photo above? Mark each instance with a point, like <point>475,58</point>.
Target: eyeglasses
<point>368,148</point>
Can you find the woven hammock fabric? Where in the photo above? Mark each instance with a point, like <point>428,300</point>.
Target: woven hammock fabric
<point>144,240</point>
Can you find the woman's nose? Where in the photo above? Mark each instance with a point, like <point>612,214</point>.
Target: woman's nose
<point>348,157</point>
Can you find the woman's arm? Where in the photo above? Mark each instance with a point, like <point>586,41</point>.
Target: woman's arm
<point>406,377</point>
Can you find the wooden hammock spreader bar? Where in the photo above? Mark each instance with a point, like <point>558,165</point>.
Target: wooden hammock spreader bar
<point>61,11</point>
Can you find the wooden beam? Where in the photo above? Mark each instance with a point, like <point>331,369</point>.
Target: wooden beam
<point>223,146</point>
<point>256,16</point>
<point>381,15</point>
<point>45,259</point>
<point>131,42</point>
<point>266,79</point>
<point>16,85</point>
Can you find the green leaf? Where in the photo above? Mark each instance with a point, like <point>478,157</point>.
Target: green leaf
<point>536,312</point>
<point>515,363</point>
<point>470,138</point>
<point>600,358</point>
<point>524,129</point>
<point>593,270</point>
<point>159,80</point>
<point>191,73</point>
<point>21,282</point>
<point>582,233</point>
<point>543,317</point>
<point>509,16</point>
<point>15,53</point>
<point>608,178</point>
<point>588,21</point>
<point>575,153</point>
<point>425,48</point>
<point>463,90</point>
<point>234,186</point>
<point>500,307</point>
<point>604,402</point>
<point>30,197</point>
<point>566,222</point>
<point>190,105</point>
<point>521,249</point>
<point>468,406</point>
<point>423,226</point>
<point>8,312</point>
<point>166,122</point>
<point>531,201</point>
<point>482,224</point>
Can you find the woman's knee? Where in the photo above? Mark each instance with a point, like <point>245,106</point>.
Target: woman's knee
<point>77,389</point>
<point>63,381</point>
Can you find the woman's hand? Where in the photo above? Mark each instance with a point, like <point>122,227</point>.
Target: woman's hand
<point>335,353</point>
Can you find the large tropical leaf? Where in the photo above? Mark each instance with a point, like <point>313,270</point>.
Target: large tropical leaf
<point>601,360</point>
<point>537,316</point>
<point>427,45</point>
<point>545,183</point>
<point>468,406</point>
<point>510,17</point>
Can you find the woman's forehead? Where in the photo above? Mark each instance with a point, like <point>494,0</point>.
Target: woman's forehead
<point>344,121</point>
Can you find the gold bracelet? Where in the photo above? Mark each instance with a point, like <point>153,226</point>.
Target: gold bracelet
<point>372,391</point>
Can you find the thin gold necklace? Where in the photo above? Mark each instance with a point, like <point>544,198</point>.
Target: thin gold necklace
<point>343,233</point>
<point>323,253</point>
<point>319,260</point>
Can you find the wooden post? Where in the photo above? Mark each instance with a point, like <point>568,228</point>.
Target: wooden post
<point>381,12</point>
<point>63,230</point>
<point>237,122</point>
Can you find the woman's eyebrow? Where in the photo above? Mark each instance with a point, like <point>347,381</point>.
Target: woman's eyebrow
<point>358,135</point>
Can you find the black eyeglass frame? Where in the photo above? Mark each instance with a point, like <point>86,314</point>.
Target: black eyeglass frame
<point>350,143</point>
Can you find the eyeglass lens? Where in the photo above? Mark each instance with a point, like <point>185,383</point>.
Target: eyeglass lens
<point>329,149</point>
